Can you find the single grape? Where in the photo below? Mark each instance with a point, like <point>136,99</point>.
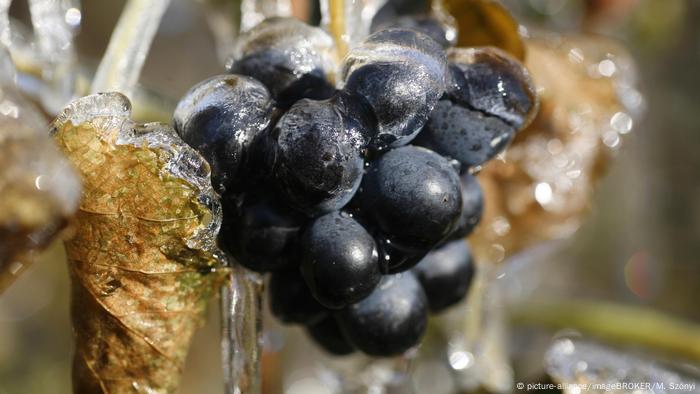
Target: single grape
<point>467,136</point>
<point>318,162</point>
<point>443,33</point>
<point>472,206</point>
<point>493,82</point>
<point>390,321</point>
<point>220,117</point>
<point>262,234</point>
<point>328,336</point>
<point>294,60</point>
<point>290,299</point>
<point>401,75</point>
<point>413,195</point>
<point>445,275</point>
<point>339,260</point>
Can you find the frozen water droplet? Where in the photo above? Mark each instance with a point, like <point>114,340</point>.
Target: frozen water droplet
<point>288,56</point>
<point>621,122</point>
<point>607,68</point>
<point>543,193</point>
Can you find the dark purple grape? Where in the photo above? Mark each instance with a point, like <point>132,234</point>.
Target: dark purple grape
<point>472,206</point>
<point>294,60</point>
<point>490,81</point>
<point>339,260</point>
<point>413,195</point>
<point>290,299</point>
<point>446,274</point>
<point>220,117</point>
<point>261,233</point>
<point>401,75</point>
<point>318,162</point>
<point>328,336</point>
<point>467,136</point>
<point>390,321</point>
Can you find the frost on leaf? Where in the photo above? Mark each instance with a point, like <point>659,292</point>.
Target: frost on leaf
<point>143,261</point>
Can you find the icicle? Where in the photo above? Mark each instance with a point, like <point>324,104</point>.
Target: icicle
<point>241,331</point>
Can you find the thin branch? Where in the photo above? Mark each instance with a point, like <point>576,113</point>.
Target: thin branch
<point>615,323</point>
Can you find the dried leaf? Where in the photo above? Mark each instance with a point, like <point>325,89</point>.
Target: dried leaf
<point>541,189</point>
<point>38,186</point>
<point>143,261</point>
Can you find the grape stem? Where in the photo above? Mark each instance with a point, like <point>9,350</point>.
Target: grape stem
<point>336,25</point>
<point>615,323</point>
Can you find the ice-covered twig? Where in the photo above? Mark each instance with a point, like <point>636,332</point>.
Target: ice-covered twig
<point>122,63</point>
<point>615,323</point>
<point>54,24</point>
<point>241,329</point>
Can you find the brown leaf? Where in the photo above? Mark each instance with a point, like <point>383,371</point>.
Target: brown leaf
<point>541,188</point>
<point>143,261</point>
<point>38,186</point>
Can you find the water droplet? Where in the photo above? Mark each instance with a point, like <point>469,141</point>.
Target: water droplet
<point>621,122</point>
<point>500,226</point>
<point>460,360</point>
<point>555,146</point>
<point>607,68</point>
<point>611,139</point>
<point>73,17</point>
<point>543,193</point>
<point>576,55</point>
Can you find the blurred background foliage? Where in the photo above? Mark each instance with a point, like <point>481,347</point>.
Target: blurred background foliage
<point>639,245</point>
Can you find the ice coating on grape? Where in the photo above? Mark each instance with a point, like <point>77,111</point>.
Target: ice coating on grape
<point>439,30</point>
<point>317,160</point>
<point>401,74</point>
<point>220,117</point>
<point>294,60</point>
<point>493,82</point>
<point>467,136</point>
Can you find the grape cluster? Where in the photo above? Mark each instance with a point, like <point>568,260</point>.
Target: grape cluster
<point>355,195</point>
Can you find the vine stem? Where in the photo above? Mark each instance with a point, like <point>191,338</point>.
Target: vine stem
<point>615,323</point>
<point>336,25</point>
<point>128,47</point>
